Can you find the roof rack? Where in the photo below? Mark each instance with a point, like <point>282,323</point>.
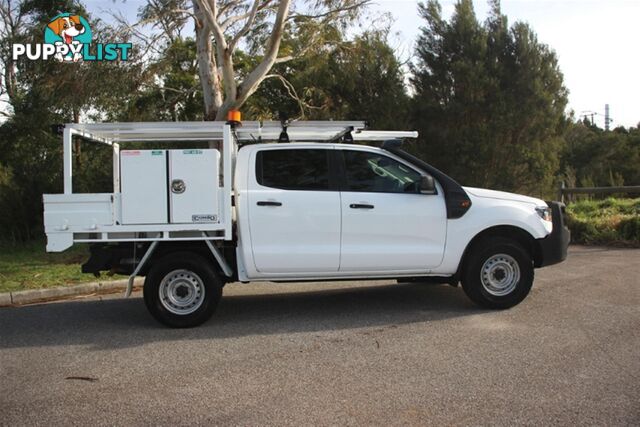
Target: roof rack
<point>250,131</point>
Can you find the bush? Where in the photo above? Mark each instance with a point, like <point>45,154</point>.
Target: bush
<point>605,222</point>
<point>630,228</point>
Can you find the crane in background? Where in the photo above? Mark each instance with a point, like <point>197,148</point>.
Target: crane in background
<point>589,115</point>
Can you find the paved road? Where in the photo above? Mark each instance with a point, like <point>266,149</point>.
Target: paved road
<point>349,353</point>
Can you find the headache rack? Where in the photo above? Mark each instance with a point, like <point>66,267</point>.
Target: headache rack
<point>98,217</point>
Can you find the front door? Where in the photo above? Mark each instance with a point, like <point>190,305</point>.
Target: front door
<point>294,213</point>
<point>387,224</point>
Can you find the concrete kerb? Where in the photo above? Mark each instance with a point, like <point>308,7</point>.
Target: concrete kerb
<point>5,299</point>
<point>33,296</point>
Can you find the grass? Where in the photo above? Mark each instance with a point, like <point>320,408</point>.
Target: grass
<point>28,266</point>
<point>611,221</point>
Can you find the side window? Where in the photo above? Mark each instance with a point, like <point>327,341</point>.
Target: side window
<point>296,169</point>
<point>370,172</point>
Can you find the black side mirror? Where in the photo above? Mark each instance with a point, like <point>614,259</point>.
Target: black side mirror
<point>427,185</point>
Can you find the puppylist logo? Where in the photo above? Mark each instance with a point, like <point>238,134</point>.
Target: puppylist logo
<point>68,38</point>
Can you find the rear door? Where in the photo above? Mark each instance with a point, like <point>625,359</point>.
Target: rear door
<point>294,211</point>
<point>387,224</point>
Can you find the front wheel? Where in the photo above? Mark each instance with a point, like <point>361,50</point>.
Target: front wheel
<point>182,290</point>
<point>499,274</point>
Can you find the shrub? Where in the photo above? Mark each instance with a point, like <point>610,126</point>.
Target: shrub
<point>630,228</point>
<point>605,222</point>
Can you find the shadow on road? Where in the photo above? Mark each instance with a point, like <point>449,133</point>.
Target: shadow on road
<point>121,323</point>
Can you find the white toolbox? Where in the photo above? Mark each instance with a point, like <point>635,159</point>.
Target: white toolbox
<point>169,186</point>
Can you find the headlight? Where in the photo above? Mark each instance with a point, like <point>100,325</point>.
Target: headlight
<point>544,212</point>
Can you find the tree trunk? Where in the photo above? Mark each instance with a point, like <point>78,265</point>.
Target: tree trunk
<point>207,67</point>
<point>221,114</point>
<point>235,95</point>
<point>10,80</point>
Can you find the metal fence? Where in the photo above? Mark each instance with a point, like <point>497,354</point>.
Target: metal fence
<point>567,193</point>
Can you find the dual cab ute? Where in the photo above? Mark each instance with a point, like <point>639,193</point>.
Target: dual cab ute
<point>297,201</point>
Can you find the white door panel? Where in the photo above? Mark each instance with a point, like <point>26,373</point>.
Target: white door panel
<point>387,224</point>
<point>400,232</point>
<point>300,235</point>
<point>193,184</point>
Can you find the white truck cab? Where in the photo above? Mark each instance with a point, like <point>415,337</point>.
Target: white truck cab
<point>316,207</point>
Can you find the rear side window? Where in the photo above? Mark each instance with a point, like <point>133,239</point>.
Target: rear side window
<point>293,169</point>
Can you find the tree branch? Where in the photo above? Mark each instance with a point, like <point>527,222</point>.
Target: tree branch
<point>247,25</point>
<point>228,6</point>
<point>291,90</point>
<point>228,22</point>
<point>251,82</point>
<point>209,11</point>
<point>301,53</point>
<point>332,12</point>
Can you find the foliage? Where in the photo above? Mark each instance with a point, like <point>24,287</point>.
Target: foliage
<point>44,93</point>
<point>174,94</point>
<point>489,100</point>
<point>609,222</point>
<point>30,160</point>
<point>357,79</point>
<point>593,157</point>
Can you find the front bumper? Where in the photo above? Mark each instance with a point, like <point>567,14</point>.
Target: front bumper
<point>553,248</point>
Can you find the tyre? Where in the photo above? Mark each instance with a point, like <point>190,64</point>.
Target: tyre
<point>498,274</point>
<point>182,290</point>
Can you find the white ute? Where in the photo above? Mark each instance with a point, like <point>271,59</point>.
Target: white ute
<point>315,206</point>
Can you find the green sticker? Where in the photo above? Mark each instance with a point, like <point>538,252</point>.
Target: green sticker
<point>156,153</point>
<point>191,151</point>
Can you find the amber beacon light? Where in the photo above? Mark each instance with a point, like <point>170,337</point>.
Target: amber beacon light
<point>234,116</point>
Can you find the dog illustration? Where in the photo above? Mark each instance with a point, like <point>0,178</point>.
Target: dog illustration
<point>67,28</point>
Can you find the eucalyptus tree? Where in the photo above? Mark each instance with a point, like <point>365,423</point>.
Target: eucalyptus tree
<point>226,29</point>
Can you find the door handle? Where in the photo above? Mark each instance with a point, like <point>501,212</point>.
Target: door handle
<point>360,206</point>
<point>268,203</point>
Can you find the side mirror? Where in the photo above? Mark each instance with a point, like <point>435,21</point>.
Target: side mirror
<point>427,185</point>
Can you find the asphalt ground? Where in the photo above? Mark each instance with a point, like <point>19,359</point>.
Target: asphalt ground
<point>346,353</point>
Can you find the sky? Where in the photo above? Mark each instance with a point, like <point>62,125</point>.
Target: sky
<point>596,42</point>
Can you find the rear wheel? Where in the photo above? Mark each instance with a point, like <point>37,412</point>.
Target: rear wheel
<point>182,290</point>
<point>498,274</point>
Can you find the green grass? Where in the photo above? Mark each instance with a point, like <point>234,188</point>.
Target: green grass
<point>28,266</point>
<point>605,222</point>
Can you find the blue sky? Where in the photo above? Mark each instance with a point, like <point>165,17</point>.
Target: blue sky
<point>596,42</point>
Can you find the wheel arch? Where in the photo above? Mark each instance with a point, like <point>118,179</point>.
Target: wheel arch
<point>511,232</point>
<point>196,247</point>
